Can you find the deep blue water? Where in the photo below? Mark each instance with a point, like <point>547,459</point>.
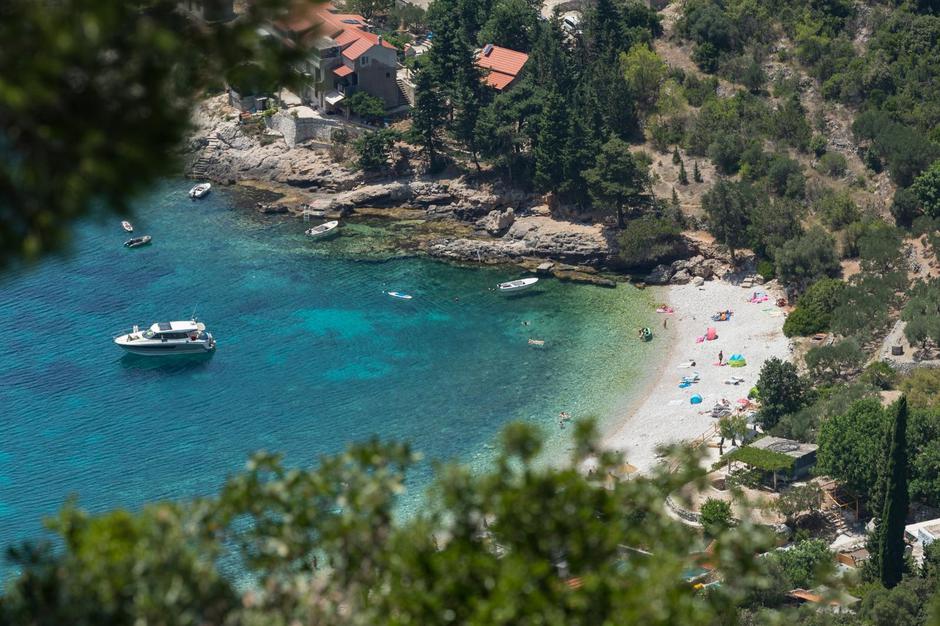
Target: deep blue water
<point>311,356</point>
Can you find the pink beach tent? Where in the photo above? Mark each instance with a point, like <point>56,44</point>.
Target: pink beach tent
<point>711,334</point>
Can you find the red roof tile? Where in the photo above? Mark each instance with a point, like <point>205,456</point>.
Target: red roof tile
<point>356,50</point>
<point>502,60</point>
<point>498,80</point>
<point>345,28</point>
<point>346,37</point>
<point>342,70</point>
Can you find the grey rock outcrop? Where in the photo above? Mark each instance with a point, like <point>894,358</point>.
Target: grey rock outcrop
<point>661,275</point>
<point>497,222</point>
<point>531,236</point>
<point>681,277</point>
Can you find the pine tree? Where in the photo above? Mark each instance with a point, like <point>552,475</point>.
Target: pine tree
<point>675,200</point>
<point>890,532</point>
<point>605,29</point>
<point>549,62</point>
<point>552,138</point>
<point>448,54</point>
<point>696,175</point>
<point>683,177</point>
<point>618,177</point>
<point>427,118</point>
<point>676,158</point>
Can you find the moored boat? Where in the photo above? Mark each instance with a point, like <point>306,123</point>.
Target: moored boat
<point>399,295</point>
<point>136,242</point>
<point>127,226</point>
<point>168,338</point>
<point>323,230</point>
<point>516,285</point>
<point>199,190</point>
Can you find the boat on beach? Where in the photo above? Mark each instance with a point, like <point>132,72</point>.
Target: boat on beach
<point>168,338</point>
<point>136,242</point>
<point>517,285</point>
<point>127,226</point>
<point>323,230</point>
<point>199,190</point>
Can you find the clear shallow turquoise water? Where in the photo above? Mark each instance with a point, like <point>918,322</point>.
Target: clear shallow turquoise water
<point>312,355</point>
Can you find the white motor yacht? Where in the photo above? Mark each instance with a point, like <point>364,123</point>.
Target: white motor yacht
<point>166,338</point>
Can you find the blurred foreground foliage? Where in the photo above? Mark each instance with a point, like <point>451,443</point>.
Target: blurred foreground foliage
<point>521,543</point>
<point>95,99</point>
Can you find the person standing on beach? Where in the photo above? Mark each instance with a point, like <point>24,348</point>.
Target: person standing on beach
<point>721,357</point>
<point>665,319</point>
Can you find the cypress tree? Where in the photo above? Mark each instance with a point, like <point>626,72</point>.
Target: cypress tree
<point>683,177</point>
<point>468,98</point>
<point>696,175</point>
<point>890,533</point>
<point>676,158</point>
<point>549,149</point>
<point>427,119</point>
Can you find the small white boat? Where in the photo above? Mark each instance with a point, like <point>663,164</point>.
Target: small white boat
<point>399,295</point>
<point>516,285</point>
<point>136,242</point>
<point>323,230</point>
<point>168,338</point>
<point>127,226</point>
<point>199,190</point>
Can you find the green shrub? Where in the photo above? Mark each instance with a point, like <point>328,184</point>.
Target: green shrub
<point>716,516</point>
<point>374,149</point>
<point>905,207</point>
<point>802,323</point>
<point>922,388</point>
<point>813,312</point>
<point>766,269</point>
<point>807,258</point>
<point>832,164</point>
<point>698,90</point>
<point>927,189</point>
<point>835,362</point>
<point>818,145</point>
<point>837,209</point>
<point>785,177</point>
<point>806,563</point>
<point>650,240</point>
<point>880,375</point>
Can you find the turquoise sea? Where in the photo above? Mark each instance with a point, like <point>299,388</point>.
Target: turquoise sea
<point>311,356</point>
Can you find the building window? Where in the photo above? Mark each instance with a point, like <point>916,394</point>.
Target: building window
<point>388,75</point>
<point>365,61</point>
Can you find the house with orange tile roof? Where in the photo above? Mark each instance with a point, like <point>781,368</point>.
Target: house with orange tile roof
<point>344,57</point>
<point>501,66</point>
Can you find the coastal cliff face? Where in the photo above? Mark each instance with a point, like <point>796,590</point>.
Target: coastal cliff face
<point>505,225</point>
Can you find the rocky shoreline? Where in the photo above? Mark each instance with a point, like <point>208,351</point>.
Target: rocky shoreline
<point>471,221</point>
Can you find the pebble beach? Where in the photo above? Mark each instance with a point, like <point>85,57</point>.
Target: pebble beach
<point>665,414</point>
